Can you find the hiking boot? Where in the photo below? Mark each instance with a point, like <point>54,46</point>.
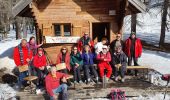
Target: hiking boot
<point>116,79</point>
<point>75,82</point>
<point>123,80</point>
<point>107,79</point>
<point>97,80</point>
<point>80,81</point>
<point>88,81</point>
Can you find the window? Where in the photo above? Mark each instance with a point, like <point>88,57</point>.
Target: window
<point>62,29</point>
<point>57,30</point>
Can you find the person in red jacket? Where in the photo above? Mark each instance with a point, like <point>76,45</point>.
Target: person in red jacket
<point>40,63</point>
<point>64,57</point>
<point>85,40</point>
<point>53,84</point>
<point>104,58</point>
<point>133,49</point>
<point>22,55</point>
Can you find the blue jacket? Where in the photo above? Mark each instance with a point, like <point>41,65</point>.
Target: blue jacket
<point>85,58</point>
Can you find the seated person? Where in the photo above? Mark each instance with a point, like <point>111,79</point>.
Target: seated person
<point>22,57</point>
<point>64,57</point>
<point>99,45</point>
<point>55,83</point>
<point>104,58</point>
<point>76,63</point>
<point>88,62</point>
<point>119,61</point>
<point>40,63</point>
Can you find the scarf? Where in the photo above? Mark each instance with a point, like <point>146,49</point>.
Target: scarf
<point>21,53</point>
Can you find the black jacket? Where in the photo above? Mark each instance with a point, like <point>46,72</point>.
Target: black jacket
<point>119,59</point>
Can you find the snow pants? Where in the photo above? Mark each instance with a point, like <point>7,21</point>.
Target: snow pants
<point>105,66</point>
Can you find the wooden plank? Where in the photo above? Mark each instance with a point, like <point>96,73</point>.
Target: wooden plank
<point>137,67</point>
<point>139,5</point>
<point>20,6</point>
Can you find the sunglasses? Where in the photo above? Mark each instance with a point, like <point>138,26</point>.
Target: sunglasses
<point>63,49</point>
<point>74,49</point>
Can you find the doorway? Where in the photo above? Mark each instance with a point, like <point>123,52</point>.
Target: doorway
<point>100,30</point>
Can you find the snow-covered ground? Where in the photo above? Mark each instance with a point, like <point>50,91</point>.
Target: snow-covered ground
<point>6,51</point>
<point>148,25</point>
<point>159,61</point>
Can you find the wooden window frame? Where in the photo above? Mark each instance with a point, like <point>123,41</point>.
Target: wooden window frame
<point>62,29</point>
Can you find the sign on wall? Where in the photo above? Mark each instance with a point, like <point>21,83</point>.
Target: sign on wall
<point>61,39</point>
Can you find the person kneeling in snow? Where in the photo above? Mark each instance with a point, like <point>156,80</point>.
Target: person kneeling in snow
<point>40,63</point>
<point>22,57</point>
<point>53,84</point>
<point>104,58</point>
<point>119,61</point>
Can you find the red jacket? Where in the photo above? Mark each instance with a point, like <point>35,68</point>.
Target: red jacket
<point>138,47</point>
<point>39,61</point>
<point>67,60</point>
<point>16,56</point>
<point>80,45</point>
<point>107,57</point>
<point>53,82</point>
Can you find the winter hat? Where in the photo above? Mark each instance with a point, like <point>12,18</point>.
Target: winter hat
<point>133,33</point>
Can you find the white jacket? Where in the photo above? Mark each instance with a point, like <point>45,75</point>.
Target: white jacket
<point>98,47</point>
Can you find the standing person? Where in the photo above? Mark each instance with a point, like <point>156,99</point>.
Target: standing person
<point>64,57</point>
<point>33,45</point>
<point>98,47</point>
<point>40,63</point>
<point>55,83</point>
<point>22,57</point>
<point>76,62</point>
<point>133,49</point>
<point>119,61</point>
<point>116,43</point>
<point>104,58</point>
<point>85,40</point>
<point>88,61</point>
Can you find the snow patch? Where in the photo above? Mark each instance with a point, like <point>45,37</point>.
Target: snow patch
<point>7,92</point>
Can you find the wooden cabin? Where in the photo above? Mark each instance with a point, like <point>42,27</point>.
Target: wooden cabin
<point>63,22</point>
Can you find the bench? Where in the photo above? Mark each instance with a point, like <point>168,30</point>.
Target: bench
<point>139,68</point>
<point>31,85</point>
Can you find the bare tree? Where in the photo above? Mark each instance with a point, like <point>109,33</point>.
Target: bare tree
<point>164,23</point>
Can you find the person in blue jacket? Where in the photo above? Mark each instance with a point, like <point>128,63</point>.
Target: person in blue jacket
<point>88,61</point>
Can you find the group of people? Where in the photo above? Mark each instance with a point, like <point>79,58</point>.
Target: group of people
<point>94,60</point>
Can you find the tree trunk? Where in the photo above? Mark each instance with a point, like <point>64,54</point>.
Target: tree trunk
<point>163,24</point>
<point>24,28</point>
<point>17,29</point>
<point>133,23</point>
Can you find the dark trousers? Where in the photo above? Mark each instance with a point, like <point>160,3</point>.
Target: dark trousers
<point>135,60</point>
<point>21,81</point>
<point>88,69</point>
<point>41,75</point>
<point>77,75</point>
<point>120,71</point>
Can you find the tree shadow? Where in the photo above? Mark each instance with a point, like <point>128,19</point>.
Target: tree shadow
<point>8,53</point>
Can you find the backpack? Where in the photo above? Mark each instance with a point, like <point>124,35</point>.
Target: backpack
<point>117,94</point>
